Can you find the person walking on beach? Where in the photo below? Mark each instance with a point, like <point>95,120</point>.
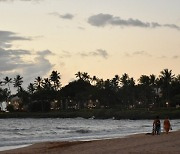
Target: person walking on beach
<point>167,125</point>
<point>156,126</point>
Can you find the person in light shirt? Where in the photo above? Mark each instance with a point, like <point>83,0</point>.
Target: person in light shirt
<point>167,125</point>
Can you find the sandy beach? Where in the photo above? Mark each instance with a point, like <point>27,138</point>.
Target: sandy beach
<point>135,144</point>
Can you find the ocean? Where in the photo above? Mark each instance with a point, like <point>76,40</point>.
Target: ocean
<point>22,132</point>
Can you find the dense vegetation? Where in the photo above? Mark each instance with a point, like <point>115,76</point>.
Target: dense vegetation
<point>116,114</point>
<point>91,94</point>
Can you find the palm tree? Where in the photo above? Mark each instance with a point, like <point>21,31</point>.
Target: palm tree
<point>178,77</point>
<point>127,91</point>
<point>154,86</point>
<point>55,78</point>
<point>1,83</point>
<point>124,80</point>
<point>47,84</point>
<point>4,94</point>
<point>86,76</point>
<point>18,82</point>
<point>152,79</point>
<point>78,75</point>
<point>144,80</point>
<point>145,90</point>
<point>166,78</point>
<point>131,82</point>
<point>31,88</point>
<point>100,84</point>
<point>38,83</point>
<point>175,91</point>
<point>94,80</point>
<point>115,82</point>
<point>7,81</point>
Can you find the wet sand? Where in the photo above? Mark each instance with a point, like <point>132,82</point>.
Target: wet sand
<point>135,144</point>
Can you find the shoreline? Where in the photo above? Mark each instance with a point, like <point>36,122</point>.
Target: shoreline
<point>139,143</point>
<point>13,147</point>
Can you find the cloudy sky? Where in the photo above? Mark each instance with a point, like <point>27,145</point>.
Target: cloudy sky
<point>101,37</point>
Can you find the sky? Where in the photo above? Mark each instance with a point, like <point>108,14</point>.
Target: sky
<point>101,37</point>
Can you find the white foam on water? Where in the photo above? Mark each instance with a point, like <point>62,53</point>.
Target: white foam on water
<point>13,147</point>
<point>18,133</point>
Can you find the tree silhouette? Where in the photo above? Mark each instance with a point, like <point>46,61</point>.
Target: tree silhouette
<point>47,84</point>
<point>115,82</point>
<point>4,94</point>
<point>17,82</point>
<point>85,76</point>
<point>78,75</point>
<point>55,78</point>
<point>166,78</point>
<point>7,81</point>
<point>38,83</point>
<point>124,80</point>
<point>94,80</point>
<point>1,83</point>
<point>119,92</point>
<point>31,88</point>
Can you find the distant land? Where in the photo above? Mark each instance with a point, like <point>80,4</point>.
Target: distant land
<point>115,114</point>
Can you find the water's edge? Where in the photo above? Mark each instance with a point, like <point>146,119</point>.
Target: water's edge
<point>16,133</point>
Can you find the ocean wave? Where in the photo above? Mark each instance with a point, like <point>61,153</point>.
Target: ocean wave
<point>62,128</point>
<point>83,131</point>
<point>145,126</point>
<point>20,131</point>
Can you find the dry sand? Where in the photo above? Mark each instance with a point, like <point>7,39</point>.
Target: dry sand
<point>136,144</point>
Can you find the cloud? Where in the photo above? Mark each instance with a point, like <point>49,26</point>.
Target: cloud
<point>142,53</point>
<point>162,57</point>
<point>102,20</point>
<point>6,0</point>
<point>146,54</point>
<point>168,57</point>
<point>67,16</point>
<point>176,57</point>
<point>99,52</point>
<point>65,54</point>
<point>20,0</point>
<point>12,64</point>
<point>23,62</point>
<point>11,59</point>
<point>63,16</point>
<point>172,26</point>
<point>40,67</point>
<point>81,28</point>
<point>6,37</point>
<point>138,53</point>
<point>45,53</point>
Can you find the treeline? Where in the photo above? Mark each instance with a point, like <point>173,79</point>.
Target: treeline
<point>120,92</point>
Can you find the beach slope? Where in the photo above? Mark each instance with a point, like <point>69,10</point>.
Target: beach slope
<point>135,144</point>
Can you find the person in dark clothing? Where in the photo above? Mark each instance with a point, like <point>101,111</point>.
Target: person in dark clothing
<point>156,126</point>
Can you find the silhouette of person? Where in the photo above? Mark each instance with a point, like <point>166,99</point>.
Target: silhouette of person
<point>156,126</point>
<point>167,125</point>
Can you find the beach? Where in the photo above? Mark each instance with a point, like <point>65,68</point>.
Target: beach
<point>134,144</point>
